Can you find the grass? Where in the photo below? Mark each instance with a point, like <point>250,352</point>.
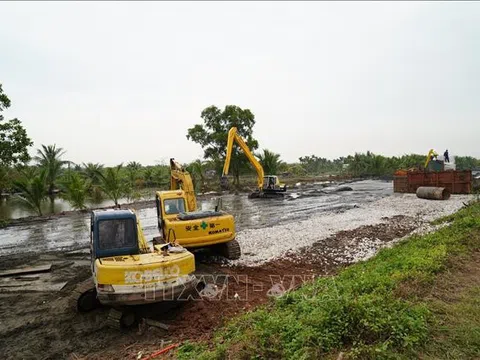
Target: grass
<point>381,308</point>
<point>455,303</point>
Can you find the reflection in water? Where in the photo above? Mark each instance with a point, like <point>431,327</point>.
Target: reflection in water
<point>14,208</point>
<point>72,232</point>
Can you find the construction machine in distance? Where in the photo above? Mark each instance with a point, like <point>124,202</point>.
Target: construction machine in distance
<point>179,219</point>
<point>432,154</point>
<point>126,271</point>
<point>432,163</point>
<point>267,185</point>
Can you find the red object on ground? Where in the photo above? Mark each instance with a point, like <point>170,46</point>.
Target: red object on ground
<point>160,352</point>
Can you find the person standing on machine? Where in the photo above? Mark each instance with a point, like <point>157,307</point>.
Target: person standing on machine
<point>445,155</point>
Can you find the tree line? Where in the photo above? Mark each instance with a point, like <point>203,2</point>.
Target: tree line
<point>49,174</point>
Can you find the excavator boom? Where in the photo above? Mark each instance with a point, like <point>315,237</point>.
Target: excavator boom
<point>267,185</point>
<point>233,136</point>
<point>429,156</point>
<point>181,179</point>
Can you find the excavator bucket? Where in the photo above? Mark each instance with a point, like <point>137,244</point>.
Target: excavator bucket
<point>224,183</point>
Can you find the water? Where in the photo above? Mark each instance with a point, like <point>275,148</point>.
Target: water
<point>72,232</point>
<point>13,208</point>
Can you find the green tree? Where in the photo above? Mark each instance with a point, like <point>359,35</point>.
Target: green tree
<point>49,157</point>
<point>317,165</point>
<point>466,163</point>
<point>75,189</point>
<point>212,135</point>
<point>270,162</point>
<point>197,171</point>
<point>148,175</point>
<point>5,180</point>
<point>33,190</point>
<point>134,171</point>
<point>161,175</point>
<point>14,141</point>
<point>93,172</point>
<point>113,185</point>
<point>297,170</point>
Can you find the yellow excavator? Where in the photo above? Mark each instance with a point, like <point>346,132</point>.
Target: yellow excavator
<point>432,154</point>
<point>180,221</point>
<point>126,271</point>
<point>267,185</point>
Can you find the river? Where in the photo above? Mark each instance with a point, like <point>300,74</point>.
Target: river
<point>71,232</point>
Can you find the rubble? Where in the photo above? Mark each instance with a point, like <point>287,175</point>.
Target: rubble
<point>265,244</point>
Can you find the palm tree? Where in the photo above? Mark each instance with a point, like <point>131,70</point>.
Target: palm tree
<point>75,189</point>
<point>134,171</point>
<point>27,171</point>
<point>49,157</point>
<point>113,185</point>
<point>93,172</point>
<point>148,175</point>
<point>270,162</point>
<point>161,175</point>
<point>33,190</point>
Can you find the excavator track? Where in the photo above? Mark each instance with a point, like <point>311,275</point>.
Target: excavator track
<point>266,195</point>
<point>121,319</point>
<point>84,297</point>
<point>231,250</point>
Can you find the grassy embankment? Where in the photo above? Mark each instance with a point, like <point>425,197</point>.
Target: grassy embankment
<point>420,298</point>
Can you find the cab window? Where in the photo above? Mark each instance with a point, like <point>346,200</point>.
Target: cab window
<point>174,206</point>
<point>116,234</point>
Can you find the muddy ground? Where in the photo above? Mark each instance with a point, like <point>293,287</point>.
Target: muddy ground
<point>313,232</point>
<point>39,325</point>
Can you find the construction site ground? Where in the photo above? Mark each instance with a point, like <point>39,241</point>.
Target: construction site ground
<point>314,232</point>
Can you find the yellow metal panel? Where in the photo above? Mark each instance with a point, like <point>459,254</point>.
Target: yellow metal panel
<point>144,268</point>
<point>200,232</point>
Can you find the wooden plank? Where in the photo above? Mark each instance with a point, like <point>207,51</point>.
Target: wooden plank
<point>157,324</point>
<point>30,287</point>
<point>27,270</point>
<point>27,278</point>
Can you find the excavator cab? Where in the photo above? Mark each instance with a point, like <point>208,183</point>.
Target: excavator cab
<point>271,183</point>
<point>114,233</point>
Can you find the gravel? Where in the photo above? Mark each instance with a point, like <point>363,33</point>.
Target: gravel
<point>265,244</point>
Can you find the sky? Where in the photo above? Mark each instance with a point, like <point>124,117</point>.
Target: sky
<point>114,82</point>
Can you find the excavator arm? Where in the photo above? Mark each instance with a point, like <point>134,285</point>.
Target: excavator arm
<point>429,156</point>
<point>142,241</point>
<point>181,179</point>
<point>233,136</point>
